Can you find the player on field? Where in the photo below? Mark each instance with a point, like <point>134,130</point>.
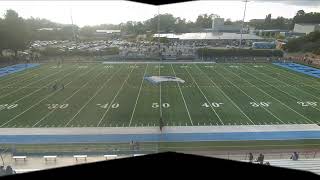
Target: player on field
<point>55,85</point>
<point>161,124</point>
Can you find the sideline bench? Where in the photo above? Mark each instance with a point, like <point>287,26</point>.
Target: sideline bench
<point>80,156</point>
<point>19,157</point>
<point>138,155</point>
<point>46,158</point>
<point>110,156</point>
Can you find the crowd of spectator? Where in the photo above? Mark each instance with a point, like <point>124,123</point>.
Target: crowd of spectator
<point>6,170</point>
<point>260,158</point>
<point>307,59</point>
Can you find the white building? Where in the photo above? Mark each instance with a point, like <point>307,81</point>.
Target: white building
<point>306,28</point>
<point>105,33</point>
<point>49,29</point>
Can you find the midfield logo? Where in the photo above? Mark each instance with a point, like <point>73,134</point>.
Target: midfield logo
<point>158,79</point>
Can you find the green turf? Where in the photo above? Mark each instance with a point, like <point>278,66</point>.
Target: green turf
<point>116,95</point>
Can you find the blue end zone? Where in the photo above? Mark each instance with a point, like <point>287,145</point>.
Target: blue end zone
<point>15,68</point>
<point>301,68</point>
<point>169,137</point>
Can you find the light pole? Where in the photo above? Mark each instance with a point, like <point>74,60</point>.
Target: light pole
<point>244,15</point>
<point>74,35</point>
<point>159,33</point>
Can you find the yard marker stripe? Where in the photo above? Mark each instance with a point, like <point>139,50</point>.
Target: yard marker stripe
<point>286,93</point>
<point>53,110</point>
<point>184,101</point>
<point>39,102</point>
<point>250,97</point>
<point>105,113</point>
<point>226,95</point>
<point>204,96</point>
<point>291,85</point>
<point>271,95</point>
<point>96,93</point>
<point>135,105</point>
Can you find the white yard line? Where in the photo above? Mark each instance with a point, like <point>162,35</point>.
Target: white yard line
<point>52,111</point>
<point>105,113</point>
<point>285,92</point>
<point>184,101</point>
<point>269,94</point>
<point>226,95</point>
<point>160,107</point>
<point>135,105</point>
<point>96,93</point>
<point>288,77</point>
<point>205,97</point>
<point>30,84</point>
<point>290,85</point>
<point>156,62</point>
<point>250,97</point>
<point>38,102</point>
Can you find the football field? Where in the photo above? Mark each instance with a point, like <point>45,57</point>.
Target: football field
<point>118,95</point>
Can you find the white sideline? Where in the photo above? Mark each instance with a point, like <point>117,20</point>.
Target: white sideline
<point>156,62</point>
<point>155,130</point>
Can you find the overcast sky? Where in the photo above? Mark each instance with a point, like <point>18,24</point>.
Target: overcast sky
<point>114,12</point>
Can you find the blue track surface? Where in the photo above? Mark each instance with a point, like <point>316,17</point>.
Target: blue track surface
<point>15,68</point>
<point>170,137</point>
<point>301,68</point>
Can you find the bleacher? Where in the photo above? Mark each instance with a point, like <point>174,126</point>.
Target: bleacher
<point>312,165</point>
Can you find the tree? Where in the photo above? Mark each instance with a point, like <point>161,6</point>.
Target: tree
<point>308,43</point>
<point>2,36</point>
<point>205,21</point>
<point>300,13</point>
<point>228,22</point>
<point>267,23</point>
<point>302,17</point>
<point>279,36</point>
<point>268,19</point>
<point>180,26</point>
<point>87,31</point>
<point>15,32</point>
